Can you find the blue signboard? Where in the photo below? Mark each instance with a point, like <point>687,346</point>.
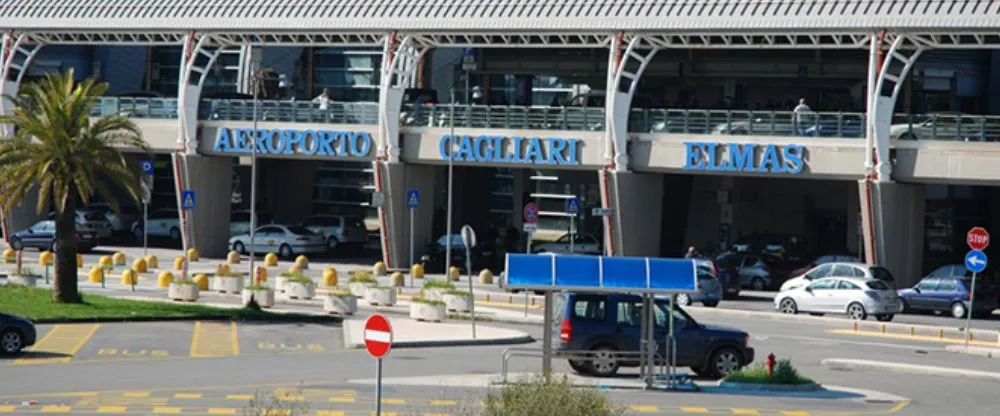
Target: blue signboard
<point>749,157</point>
<point>600,274</point>
<point>146,166</point>
<point>516,149</point>
<point>187,200</point>
<point>573,205</point>
<point>357,144</point>
<point>975,261</point>
<point>412,198</point>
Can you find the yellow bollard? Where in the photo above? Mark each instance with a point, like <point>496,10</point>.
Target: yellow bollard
<point>129,277</point>
<point>454,273</point>
<point>105,261</point>
<point>79,261</point>
<point>9,256</point>
<point>486,277</point>
<point>96,274</point>
<point>271,260</point>
<point>152,262</point>
<point>417,270</point>
<point>140,265</point>
<point>45,258</point>
<point>202,281</point>
<point>302,261</point>
<point>179,263</point>
<point>379,269</point>
<point>119,258</point>
<point>398,280</point>
<point>193,254</point>
<point>330,277</point>
<point>165,279</point>
<point>233,257</point>
<point>223,269</point>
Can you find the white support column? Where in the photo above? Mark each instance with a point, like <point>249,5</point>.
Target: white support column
<point>192,78</point>
<point>896,65</point>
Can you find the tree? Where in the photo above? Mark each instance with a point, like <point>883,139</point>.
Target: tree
<point>68,158</point>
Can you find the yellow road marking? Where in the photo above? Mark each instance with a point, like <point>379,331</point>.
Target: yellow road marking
<point>166,410</point>
<point>112,409</point>
<point>330,413</point>
<point>56,409</point>
<point>643,408</point>
<point>444,403</point>
<point>239,396</point>
<point>6,409</point>
<point>695,410</point>
<point>222,411</point>
<point>188,396</point>
<point>738,411</point>
<point>215,339</point>
<point>63,340</point>
<point>341,400</point>
<point>393,401</point>
<point>928,338</point>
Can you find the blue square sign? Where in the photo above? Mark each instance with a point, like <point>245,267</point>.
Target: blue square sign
<point>412,198</point>
<point>573,205</point>
<point>187,200</point>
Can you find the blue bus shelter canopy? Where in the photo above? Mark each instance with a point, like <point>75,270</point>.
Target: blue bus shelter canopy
<point>601,274</point>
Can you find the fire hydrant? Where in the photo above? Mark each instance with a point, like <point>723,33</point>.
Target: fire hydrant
<point>770,364</point>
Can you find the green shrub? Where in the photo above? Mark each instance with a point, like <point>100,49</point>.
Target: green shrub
<point>428,301</point>
<point>536,397</point>
<point>784,373</point>
<point>438,284</point>
<point>361,277</point>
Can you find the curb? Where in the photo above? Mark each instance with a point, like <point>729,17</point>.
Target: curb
<point>976,351</point>
<point>851,364</point>
<point>351,343</point>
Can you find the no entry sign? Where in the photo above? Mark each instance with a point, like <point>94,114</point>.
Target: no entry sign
<point>978,238</point>
<point>378,336</point>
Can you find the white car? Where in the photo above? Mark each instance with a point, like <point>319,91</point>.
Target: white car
<point>582,244</point>
<point>92,220</point>
<point>286,240</point>
<point>857,298</point>
<point>845,270</point>
<point>162,223</point>
<point>339,230</point>
<point>239,222</point>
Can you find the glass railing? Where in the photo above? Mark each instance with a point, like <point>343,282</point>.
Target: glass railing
<point>953,127</point>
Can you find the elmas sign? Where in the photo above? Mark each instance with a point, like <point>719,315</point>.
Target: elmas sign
<point>511,150</point>
<point>356,144</point>
<point>749,158</point>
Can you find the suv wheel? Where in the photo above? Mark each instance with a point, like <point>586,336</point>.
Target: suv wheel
<point>724,362</point>
<point>603,361</point>
<point>11,342</point>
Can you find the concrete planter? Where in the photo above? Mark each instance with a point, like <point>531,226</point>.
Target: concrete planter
<point>264,298</point>
<point>458,303</point>
<point>427,312</point>
<point>226,284</point>
<point>183,292</point>
<point>380,296</point>
<point>359,289</point>
<point>23,280</point>
<point>296,290</point>
<point>733,385</point>
<point>436,293</point>
<point>340,305</point>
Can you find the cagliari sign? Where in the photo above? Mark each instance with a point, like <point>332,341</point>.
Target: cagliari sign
<point>339,143</point>
<point>748,157</point>
<point>510,150</point>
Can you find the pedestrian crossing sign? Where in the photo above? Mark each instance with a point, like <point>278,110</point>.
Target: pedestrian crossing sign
<point>412,198</point>
<point>187,200</point>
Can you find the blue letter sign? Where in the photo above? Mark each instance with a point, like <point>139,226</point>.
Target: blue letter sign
<point>735,157</point>
<point>519,150</point>
<point>356,144</point>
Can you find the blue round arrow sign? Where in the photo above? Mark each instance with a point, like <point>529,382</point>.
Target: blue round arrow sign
<point>975,261</point>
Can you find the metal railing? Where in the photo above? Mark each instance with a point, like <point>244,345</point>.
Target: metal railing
<point>953,127</point>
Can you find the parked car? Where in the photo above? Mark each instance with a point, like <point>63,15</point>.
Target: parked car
<point>42,235</point>
<point>950,294</point>
<point>606,325</point>
<point>162,223</point>
<point>846,270</point>
<point>709,290</point>
<point>286,240</point>
<point>754,268</point>
<point>239,222</point>
<point>433,259</point>
<point>120,222</point>
<point>91,220</point>
<point>582,244</point>
<point>16,333</point>
<point>856,297</point>
<point>339,231</point>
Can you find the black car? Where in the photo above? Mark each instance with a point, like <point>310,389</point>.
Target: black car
<point>433,259</point>
<point>16,333</point>
<point>42,235</point>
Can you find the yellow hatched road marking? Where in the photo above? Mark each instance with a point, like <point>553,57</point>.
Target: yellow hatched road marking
<point>695,410</point>
<point>111,409</point>
<point>161,410</point>
<point>644,408</point>
<point>215,339</point>
<point>56,409</point>
<point>222,411</point>
<point>738,411</point>
<point>330,413</point>
<point>188,396</point>
<point>444,403</point>
<point>62,340</point>
<point>341,400</point>
<point>7,409</point>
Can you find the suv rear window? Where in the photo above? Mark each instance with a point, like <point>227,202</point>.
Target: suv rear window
<point>589,309</point>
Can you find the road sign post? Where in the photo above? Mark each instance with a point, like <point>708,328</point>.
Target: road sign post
<point>573,209</point>
<point>978,239</point>
<point>147,195</point>
<point>469,241</point>
<point>412,202</point>
<point>378,343</point>
<point>530,223</point>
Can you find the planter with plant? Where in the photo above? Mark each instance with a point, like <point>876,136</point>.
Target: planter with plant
<point>359,282</point>
<point>299,287</point>
<point>340,302</point>
<point>263,295</point>
<point>784,377</point>
<point>183,290</point>
<point>227,282</point>
<point>23,277</point>
<point>458,301</point>
<point>380,295</point>
<point>435,289</point>
<point>427,310</point>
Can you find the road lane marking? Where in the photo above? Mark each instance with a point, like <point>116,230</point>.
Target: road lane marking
<point>188,395</point>
<point>738,411</point>
<point>215,339</point>
<point>112,409</point>
<point>62,340</point>
<point>222,411</point>
<point>444,403</point>
<point>56,409</point>
<point>341,400</point>
<point>695,410</point>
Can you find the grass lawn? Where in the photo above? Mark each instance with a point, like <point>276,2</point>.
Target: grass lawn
<point>36,304</point>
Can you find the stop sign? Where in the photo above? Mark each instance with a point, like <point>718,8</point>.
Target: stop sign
<point>378,336</point>
<point>978,238</point>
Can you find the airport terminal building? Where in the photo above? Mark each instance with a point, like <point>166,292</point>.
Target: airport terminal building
<point>863,127</point>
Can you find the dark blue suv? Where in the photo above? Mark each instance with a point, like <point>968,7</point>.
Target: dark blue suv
<point>608,326</point>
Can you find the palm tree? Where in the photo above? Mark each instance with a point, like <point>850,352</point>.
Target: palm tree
<point>68,158</point>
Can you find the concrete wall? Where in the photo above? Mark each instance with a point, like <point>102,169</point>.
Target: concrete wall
<point>423,146</point>
<point>211,178</point>
<point>824,158</point>
<point>636,206</point>
<point>951,162</point>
